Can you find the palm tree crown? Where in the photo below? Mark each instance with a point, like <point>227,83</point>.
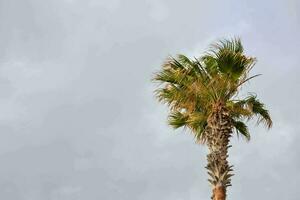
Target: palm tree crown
<point>192,87</point>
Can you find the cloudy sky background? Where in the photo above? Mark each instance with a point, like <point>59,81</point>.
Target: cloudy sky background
<point>78,119</point>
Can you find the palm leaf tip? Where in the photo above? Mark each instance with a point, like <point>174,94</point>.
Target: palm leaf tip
<point>258,108</point>
<point>241,128</point>
<point>234,45</point>
<point>251,107</point>
<point>177,119</point>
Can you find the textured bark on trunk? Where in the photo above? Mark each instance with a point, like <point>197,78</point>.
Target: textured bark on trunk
<point>218,134</point>
<point>219,193</point>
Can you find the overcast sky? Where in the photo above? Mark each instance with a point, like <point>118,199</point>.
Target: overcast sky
<point>78,120</point>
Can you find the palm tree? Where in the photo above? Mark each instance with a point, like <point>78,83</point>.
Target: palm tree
<point>202,94</point>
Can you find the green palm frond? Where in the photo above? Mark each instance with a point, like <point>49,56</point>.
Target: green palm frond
<point>211,64</point>
<point>238,110</point>
<point>241,128</point>
<point>178,119</point>
<point>172,63</point>
<point>234,45</point>
<point>256,108</point>
<point>226,57</point>
<point>193,120</point>
<point>184,82</point>
<point>172,95</point>
<point>168,76</point>
<point>196,122</point>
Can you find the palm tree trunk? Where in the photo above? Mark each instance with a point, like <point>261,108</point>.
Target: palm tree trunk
<point>219,193</point>
<point>219,132</point>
